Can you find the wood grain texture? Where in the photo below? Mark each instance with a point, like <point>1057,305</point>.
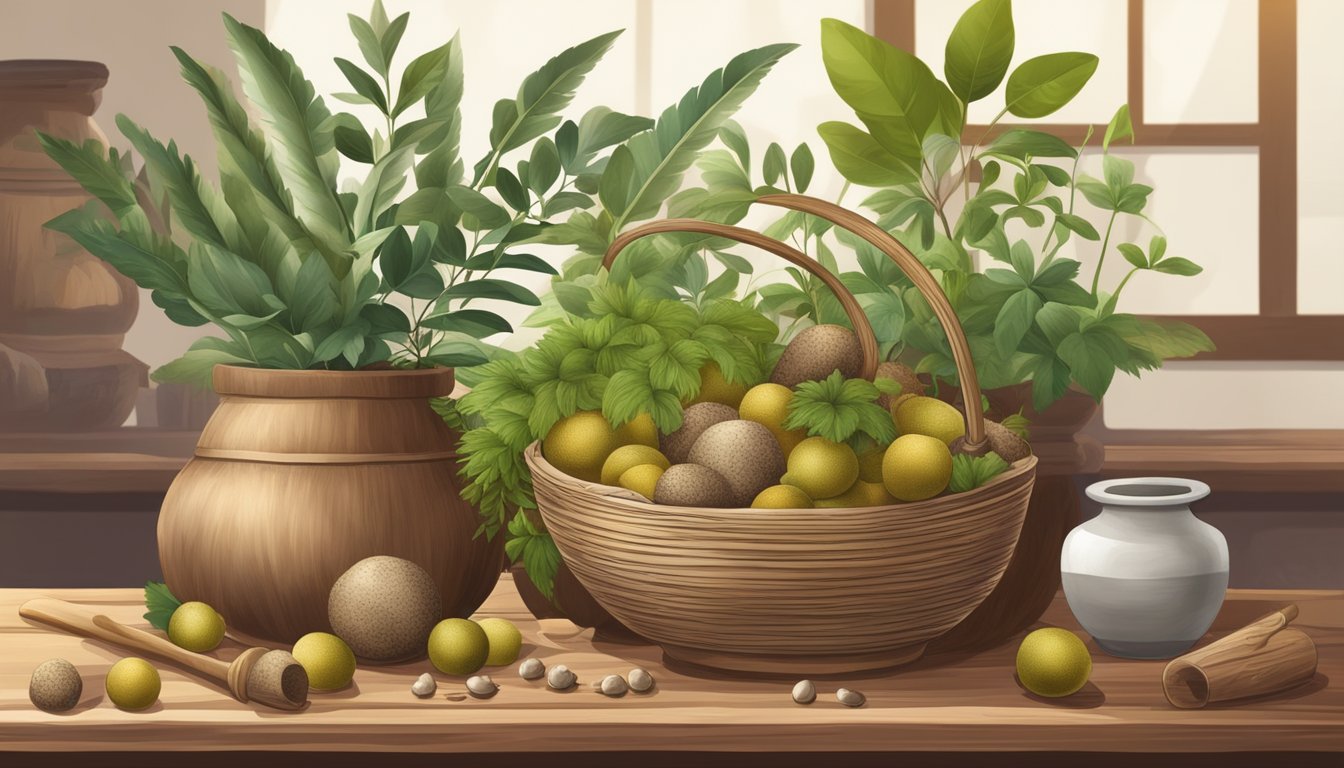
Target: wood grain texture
<point>790,590</point>
<point>1263,657</point>
<point>942,703</point>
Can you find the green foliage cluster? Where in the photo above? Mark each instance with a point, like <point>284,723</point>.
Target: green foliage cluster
<point>970,472</point>
<point>160,604</point>
<point>299,274</point>
<point>841,409</point>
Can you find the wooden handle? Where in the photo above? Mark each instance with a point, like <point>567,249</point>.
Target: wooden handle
<point>1263,657</point>
<point>72,618</point>
<point>920,275</point>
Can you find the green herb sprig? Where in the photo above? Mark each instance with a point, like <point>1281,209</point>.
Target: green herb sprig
<point>837,409</point>
<point>161,604</point>
<point>969,472</point>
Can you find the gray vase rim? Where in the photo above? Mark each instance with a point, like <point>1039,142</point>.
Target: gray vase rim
<point>1148,491</point>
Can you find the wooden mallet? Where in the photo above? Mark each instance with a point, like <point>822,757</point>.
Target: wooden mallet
<point>273,678</point>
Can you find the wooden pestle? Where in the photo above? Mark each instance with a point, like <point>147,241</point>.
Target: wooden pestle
<point>262,675</point>
<point>1262,657</point>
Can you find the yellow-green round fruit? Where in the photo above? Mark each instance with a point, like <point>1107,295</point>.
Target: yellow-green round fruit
<point>638,431</point>
<point>714,388</point>
<point>1053,662</point>
<point>578,445</point>
<point>920,415</point>
<point>768,405</point>
<point>916,467</point>
<point>628,456</point>
<point>861,494</point>
<point>642,479</point>
<point>505,641</point>
<point>133,683</point>
<point>196,627</point>
<point>870,464</point>
<point>822,468</point>
<point>782,497</point>
<point>326,658</point>
<point>458,647</point>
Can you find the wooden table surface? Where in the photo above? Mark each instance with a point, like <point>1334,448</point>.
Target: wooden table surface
<point>941,704</point>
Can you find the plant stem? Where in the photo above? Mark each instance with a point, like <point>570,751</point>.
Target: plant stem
<point>1116,296</point>
<point>1101,259</point>
<point>843,191</point>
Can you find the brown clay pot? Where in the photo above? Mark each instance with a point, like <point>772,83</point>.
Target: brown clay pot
<point>300,474</point>
<point>59,305</point>
<point>1032,578</point>
<point>574,602</point>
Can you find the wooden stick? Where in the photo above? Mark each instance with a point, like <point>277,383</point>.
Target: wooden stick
<point>267,677</point>
<point>1265,656</point>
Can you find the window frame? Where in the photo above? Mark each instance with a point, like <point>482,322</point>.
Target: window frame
<point>1277,332</point>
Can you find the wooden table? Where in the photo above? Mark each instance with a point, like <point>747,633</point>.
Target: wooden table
<point>946,709</point>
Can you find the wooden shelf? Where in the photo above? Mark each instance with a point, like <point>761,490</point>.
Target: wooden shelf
<point>127,460</point>
<point>1237,460</point>
<point>950,704</point>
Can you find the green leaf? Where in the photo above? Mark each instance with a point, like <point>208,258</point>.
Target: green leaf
<point>1015,318</point>
<point>476,323</point>
<point>197,366</point>
<point>886,313</point>
<point>837,408</point>
<point>95,170</point>
<point>1078,224</point>
<point>970,472</point>
<point>658,159</point>
<point>389,36</point>
<point>1041,85</point>
<point>485,210</point>
<point>368,43</point>
<point>538,552</point>
<point>131,256</point>
<point>1177,266</point>
<point>363,83</point>
<point>979,50</point>
<point>775,164</point>
<point>860,159</point>
<point>543,166</point>
<point>385,320</point>
<point>160,604</point>
<point>802,164</point>
<point>380,189</point>
<point>311,299</point>
<point>1057,321</point>
<point>424,73</point>
<point>178,309</point>
<point>1118,129</point>
<point>1021,143</point>
<point>735,139</point>
<point>598,129</point>
<point>442,166</point>
<point>1133,254</point>
<point>351,139</point>
<point>489,288</point>
<point>511,190</point>
<point>1160,340</point>
<point>226,284</point>
<point>541,97</point>
<point>1088,362</point>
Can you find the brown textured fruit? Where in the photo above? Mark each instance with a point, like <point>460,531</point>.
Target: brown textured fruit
<point>818,352</point>
<point>745,453</point>
<point>55,686</point>
<point>1005,442</point>
<point>692,485</point>
<point>695,420</point>
<point>384,608</point>
<point>901,374</point>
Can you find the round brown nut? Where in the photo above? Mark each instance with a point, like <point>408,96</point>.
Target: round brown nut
<point>55,686</point>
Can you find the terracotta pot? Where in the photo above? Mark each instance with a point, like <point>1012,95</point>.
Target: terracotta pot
<point>573,602</point>
<point>63,307</point>
<point>1032,578</point>
<point>300,474</point>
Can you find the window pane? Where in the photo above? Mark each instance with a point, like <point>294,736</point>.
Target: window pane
<point>1320,166</point>
<point>1229,395</point>
<point>1200,61</point>
<point>1044,26</point>
<point>1207,203</point>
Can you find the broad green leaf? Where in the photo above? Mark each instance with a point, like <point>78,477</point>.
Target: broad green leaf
<point>226,284</point>
<point>424,73</point>
<point>860,159</point>
<point>1057,321</point>
<point>802,164</point>
<point>369,46</point>
<point>131,256</point>
<point>363,83</point>
<point>660,158</point>
<point>1133,254</point>
<point>735,139</point>
<point>775,164</point>
<point>1080,225</point>
<point>351,139</point>
<point>1041,85</point>
<point>543,166</point>
<point>541,97</point>
<point>476,323</point>
<point>442,165</point>
<point>886,312</point>
<point>197,366</point>
<point>1021,143</point>
<point>1118,129</point>
<point>939,153</point>
<point>389,37</point>
<point>341,342</point>
<point>178,309</point>
<point>483,208</point>
<point>1015,319</point>
<point>1177,266</point>
<point>90,165</point>
<point>1088,361</point>
<point>297,118</point>
<point>979,50</point>
<point>600,128</point>
<point>488,288</point>
<point>380,188</point>
<point>312,297</point>
<point>1050,380</point>
<point>1160,339</point>
<point>511,190</point>
<point>385,320</point>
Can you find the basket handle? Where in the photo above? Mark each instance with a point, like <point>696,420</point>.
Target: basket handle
<point>912,267</point>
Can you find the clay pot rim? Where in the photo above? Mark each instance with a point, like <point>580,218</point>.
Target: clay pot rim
<point>1148,492</point>
<point>52,75</point>
<point>394,384</point>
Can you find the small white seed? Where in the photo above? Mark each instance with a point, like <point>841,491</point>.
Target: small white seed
<point>424,686</point>
<point>481,686</point>
<point>614,685</point>
<point>850,698</point>
<point>640,680</point>
<point>804,692</point>
<point>532,669</point>
<point>560,678</point>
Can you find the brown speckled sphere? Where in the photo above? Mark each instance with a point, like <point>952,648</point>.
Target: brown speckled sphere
<point>745,453</point>
<point>695,420</point>
<point>384,608</point>
<point>56,686</point>
<point>816,353</point>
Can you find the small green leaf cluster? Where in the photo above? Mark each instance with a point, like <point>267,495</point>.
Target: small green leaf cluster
<point>970,472</point>
<point>299,274</point>
<point>839,409</point>
<point>160,604</point>
<point>1032,319</point>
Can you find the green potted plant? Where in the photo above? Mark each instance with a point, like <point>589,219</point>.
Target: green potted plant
<point>340,308</point>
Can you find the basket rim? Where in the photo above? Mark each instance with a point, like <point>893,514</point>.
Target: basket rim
<point>1017,472</point>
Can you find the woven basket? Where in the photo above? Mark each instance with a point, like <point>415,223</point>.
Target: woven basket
<point>794,591</point>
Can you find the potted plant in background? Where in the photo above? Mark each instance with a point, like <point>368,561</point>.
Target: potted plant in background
<point>335,312</point>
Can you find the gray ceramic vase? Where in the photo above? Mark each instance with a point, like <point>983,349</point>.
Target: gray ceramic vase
<point>1145,578</point>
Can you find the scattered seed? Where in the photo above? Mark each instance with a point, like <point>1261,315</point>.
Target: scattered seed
<point>560,678</point>
<point>532,669</point>
<point>850,698</point>
<point>804,692</point>
<point>424,686</point>
<point>640,680</point>
<point>613,685</point>
<point>481,686</point>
